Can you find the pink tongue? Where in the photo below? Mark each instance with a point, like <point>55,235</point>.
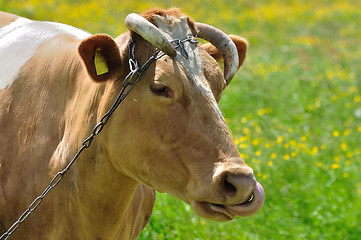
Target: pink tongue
<point>249,208</point>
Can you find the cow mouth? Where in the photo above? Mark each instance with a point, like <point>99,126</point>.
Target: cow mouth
<point>220,212</point>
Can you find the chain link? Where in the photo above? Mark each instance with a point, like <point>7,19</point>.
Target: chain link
<point>128,83</point>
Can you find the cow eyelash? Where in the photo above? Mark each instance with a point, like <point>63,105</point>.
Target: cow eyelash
<point>161,90</point>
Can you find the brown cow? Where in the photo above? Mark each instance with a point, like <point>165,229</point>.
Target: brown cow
<point>56,82</point>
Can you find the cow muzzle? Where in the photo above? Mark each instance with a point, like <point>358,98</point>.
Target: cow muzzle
<point>235,193</point>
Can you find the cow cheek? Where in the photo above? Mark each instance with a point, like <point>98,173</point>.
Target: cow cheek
<point>162,167</point>
<point>149,146</point>
<point>172,124</point>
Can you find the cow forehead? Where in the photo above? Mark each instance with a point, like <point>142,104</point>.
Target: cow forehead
<point>19,41</point>
<point>178,28</point>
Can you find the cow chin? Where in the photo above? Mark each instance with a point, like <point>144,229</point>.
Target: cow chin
<point>204,210</point>
<point>223,213</point>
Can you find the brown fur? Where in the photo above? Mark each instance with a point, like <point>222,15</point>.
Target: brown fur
<point>174,12</point>
<point>6,18</point>
<point>173,144</point>
<point>241,45</point>
<point>109,50</point>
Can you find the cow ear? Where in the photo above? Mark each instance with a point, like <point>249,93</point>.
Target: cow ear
<point>241,45</point>
<point>101,57</point>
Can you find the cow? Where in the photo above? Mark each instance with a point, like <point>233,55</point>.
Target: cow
<point>168,135</point>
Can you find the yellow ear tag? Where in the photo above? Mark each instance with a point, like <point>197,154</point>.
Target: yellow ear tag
<point>100,63</point>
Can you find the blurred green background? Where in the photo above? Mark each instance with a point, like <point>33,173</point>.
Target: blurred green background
<point>294,110</point>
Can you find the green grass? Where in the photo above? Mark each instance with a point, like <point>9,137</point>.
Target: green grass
<point>294,110</point>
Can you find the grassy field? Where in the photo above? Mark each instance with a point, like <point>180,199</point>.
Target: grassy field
<point>294,110</point>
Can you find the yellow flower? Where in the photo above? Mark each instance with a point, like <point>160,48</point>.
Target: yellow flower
<point>314,150</point>
<point>293,154</point>
<point>246,130</point>
<point>286,157</point>
<point>287,145</point>
<point>348,162</point>
<point>243,139</point>
<point>244,156</point>
<point>346,132</point>
<point>359,128</point>
<point>244,120</point>
<point>319,164</point>
<point>301,145</point>
<point>279,139</point>
<point>344,146</point>
<point>345,175</point>
<point>255,142</point>
<point>290,130</point>
<point>264,111</point>
<point>336,159</point>
<point>269,163</point>
<point>273,156</point>
<point>264,176</point>
<point>349,154</point>
<point>258,153</point>
<point>259,174</point>
<point>336,133</point>
<point>357,99</point>
<point>323,146</point>
<point>303,138</point>
<point>243,145</point>
<point>268,145</point>
<point>335,165</point>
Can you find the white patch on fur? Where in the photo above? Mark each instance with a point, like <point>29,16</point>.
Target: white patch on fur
<point>179,29</point>
<point>19,41</point>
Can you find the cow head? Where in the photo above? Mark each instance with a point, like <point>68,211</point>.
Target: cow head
<point>169,133</point>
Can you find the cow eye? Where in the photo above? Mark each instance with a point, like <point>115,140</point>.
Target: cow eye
<point>161,90</point>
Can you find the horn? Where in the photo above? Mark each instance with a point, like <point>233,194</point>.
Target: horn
<point>149,32</point>
<point>224,44</point>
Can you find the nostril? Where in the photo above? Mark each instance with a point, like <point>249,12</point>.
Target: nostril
<point>238,187</point>
<point>228,188</point>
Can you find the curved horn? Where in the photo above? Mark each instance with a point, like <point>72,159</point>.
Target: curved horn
<point>224,44</point>
<point>149,32</point>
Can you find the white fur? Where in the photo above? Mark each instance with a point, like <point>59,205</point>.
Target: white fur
<point>19,41</point>
<point>179,29</point>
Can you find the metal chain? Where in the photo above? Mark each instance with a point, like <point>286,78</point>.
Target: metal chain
<point>128,83</point>
<point>180,44</point>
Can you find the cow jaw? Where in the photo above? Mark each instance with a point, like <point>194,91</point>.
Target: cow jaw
<point>232,191</point>
<point>220,212</point>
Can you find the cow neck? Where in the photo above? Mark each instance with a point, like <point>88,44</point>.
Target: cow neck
<point>92,187</point>
<point>98,194</point>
